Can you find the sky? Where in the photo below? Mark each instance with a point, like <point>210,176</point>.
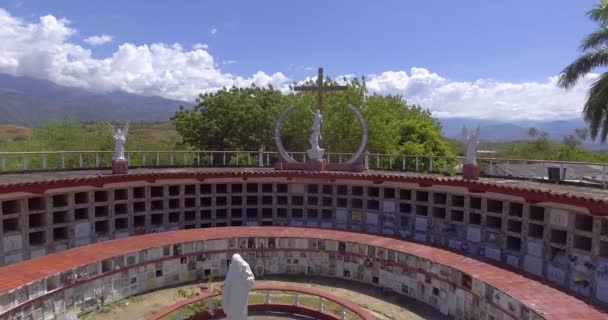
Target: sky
<point>470,58</point>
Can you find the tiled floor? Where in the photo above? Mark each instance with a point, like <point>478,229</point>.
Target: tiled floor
<point>551,302</point>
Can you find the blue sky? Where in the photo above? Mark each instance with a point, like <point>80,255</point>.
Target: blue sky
<point>476,42</point>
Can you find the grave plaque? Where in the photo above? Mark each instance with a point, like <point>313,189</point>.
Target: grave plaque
<point>559,217</point>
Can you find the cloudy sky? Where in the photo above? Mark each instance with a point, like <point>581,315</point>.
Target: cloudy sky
<point>469,58</point>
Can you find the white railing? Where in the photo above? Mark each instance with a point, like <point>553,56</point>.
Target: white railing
<point>582,172</point>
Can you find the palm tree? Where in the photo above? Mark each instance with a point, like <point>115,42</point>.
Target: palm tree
<point>595,54</point>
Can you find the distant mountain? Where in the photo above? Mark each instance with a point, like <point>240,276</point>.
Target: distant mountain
<point>28,101</point>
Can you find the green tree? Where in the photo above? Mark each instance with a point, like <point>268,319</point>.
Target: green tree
<point>595,55</point>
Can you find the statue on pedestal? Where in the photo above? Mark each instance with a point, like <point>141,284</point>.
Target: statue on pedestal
<point>315,152</point>
<point>471,139</point>
<point>235,290</point>
<point>120,137</point>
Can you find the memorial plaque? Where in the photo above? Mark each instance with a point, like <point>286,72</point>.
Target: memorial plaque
<point>513,261</point>
<point>421,224</point>
<point>492,253</point>
<point>533,265</point>
<point>455,244</point>
<point>535,248</point>
<point>13,243</point>
<point>556,275</point>
<point>371,218</point>
<point>559,217</point>
<point>602,289</point>
<point>473,234</point>
<point>356,216</point>
<point>388,206</point>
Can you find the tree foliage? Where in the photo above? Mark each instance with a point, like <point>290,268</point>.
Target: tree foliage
<point>244,119</point>
<point>595,55</point>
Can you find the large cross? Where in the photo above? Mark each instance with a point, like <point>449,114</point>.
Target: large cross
<point>320,89</point>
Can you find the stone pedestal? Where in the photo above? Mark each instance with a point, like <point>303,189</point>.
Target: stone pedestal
<point>120,166</point>
<point>470,172</point>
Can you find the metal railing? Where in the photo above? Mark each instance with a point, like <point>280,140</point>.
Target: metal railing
<point>582,172</point>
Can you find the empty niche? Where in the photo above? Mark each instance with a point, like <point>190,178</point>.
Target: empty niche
<point>121,208</point>
<point>327,215</point>
<point>312,188</point>
<point>206,214</point>
<point>439,212</point>
<point>474,218</point>
<point>101,196</point>
<point>297,213</point>
<point>223,224</point>
<point>11,207</point>
<point>281,212</point>
<point>356,203</point>
<point>604,249</point>
<point>297,200</point>
<point>221,188</point>
<point>516,209</point>
<point>373,191</point>
<point>190,215</point>
<point>120,194</point>
<point>237,201</point>
<point>457,215</point>
<point>121,224</point>
<point>157,205</point>
<point>422,210</point>
<point>10,225</point>
<point>514,226</point>
<point>81,214</point>
<point>157,192</point>
<point>37,220</point>
<point>33,204</point>
<point>139,192</point>
<point>389,193</point>
<point>513,243</point>
<point>559,236</point>
<point>157,219</point>
<point>60,217</point>
<point>173,217</point>
<point>37,238</point>
<point>251,213</point>
<point>102,228</point>
<point>252,188</point>
<point>236,213</point>
<point>475,203</point>
<point>174,191</point>
<point>221,214</point>
<point>205,188</point>
<point>190,189</point>
<point>236,188</point>
<point>101,211</point>
<point>494,206</point>
<point>342,203</point>
<point>312,214</point>
<point>267,188</point>
<point>439,198</point>
<point>373,204</point>
<point>342,190</point>
<point>327,189</point>
<point>81,197</point>
<point>312,201</point>
<point>206,201</point>
<point>139,221</point>
<point>190,226</point>
<point>282,188</point>
<point>328,202</point>
<point>174,204</point>
<point>267,200</point>
<point>535,230</point>
<point>236,223</point>
<point>139,207</point>
<point>537,213</point>
<point>60,200</point>
<point>583,222</point>
<point>405,208</point>
<point>457,201</point>
<point>190,202</point>
<point>267,213</point>
<point>405,194</point>
<point>356,190</point>
<point>252,200</point>
<point>422,196</point>
<point>582,243</point>
<point>493,222</point>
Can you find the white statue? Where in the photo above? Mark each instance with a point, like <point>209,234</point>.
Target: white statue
<point>471,139</point>
<point>315,151</point>
<point>120,137</point>
<point>235,290</point>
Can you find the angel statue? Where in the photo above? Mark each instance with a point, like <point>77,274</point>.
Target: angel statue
<point>315,151</point>
<point>239,281</point>
<point>120,137</point>
<point>471,139</point>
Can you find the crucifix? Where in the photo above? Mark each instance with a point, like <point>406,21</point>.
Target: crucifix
<point>320,89</point>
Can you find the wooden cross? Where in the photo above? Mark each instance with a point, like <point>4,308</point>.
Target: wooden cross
<point>320,89</point>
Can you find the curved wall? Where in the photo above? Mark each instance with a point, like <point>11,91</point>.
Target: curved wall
<point>551,236</point>
<point>110,271</point>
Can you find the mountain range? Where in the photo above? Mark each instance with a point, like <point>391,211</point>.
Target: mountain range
<point>27,101</point>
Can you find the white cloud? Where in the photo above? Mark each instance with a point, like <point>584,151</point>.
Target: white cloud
<point>230,62</point>
<point>199,45</point>
<point>98,40</point>
<point>43,50</point>
<point>213,31</point>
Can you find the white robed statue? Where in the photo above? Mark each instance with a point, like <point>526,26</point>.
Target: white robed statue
<point>315,151</point>
<point>471,139</point>
<point>235,290</point>
<point>120,137</point>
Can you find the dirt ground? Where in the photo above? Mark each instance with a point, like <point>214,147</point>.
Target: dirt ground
<point>386,306</point>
